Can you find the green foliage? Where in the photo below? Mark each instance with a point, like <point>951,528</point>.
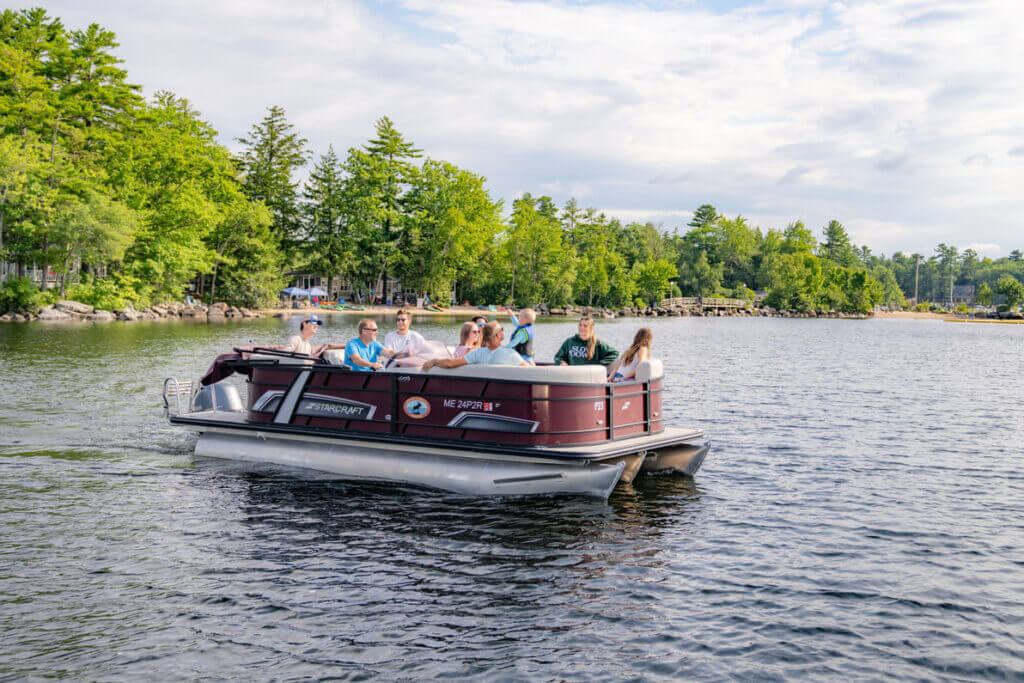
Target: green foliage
<point>250,264</point>
<point>452,223</point>
<point>1011,289</point>
<point>103,294</point>
<point>837,247</point>
<point>329,247</point>
<point>652,278</point>
<point>700,277</point>
<point>537,263</point>
<point>984,294</point>
<point>273,152</point>
<point>96,180</point>
<point>18,294</point>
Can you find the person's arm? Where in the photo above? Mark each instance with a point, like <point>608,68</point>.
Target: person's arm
<point>562,355</point>
<point>605,353</point>
<point>356,360</point>
<point>614,366</point>
<point>445,363</point>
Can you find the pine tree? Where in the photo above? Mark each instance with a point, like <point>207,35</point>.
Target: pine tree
<point>381,175</point>
<point>274,151</point>
<point>837,247</point>
<point>331,250</point>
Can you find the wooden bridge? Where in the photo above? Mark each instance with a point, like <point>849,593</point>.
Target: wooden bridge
<point>702,302</point>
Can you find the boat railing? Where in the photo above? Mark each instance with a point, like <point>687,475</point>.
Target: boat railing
<point>173,393</point>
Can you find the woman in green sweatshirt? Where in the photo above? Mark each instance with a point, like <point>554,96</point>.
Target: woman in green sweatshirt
<point>584,348</point>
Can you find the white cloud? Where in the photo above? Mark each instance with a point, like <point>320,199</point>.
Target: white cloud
<point>985,250</point>
<point>899,117</point>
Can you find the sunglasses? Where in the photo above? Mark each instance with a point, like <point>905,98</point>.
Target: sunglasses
<point>370,329</point>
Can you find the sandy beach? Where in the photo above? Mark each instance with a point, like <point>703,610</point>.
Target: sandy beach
<point>912,314</point>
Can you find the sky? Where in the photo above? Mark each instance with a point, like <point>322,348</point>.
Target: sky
<point>903,119</point>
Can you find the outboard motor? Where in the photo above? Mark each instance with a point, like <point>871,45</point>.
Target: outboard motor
<point>221,396</point>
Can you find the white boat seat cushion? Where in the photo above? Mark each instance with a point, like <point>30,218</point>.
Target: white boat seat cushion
<point>649,369</point>
<point>334,356</point>
<point>563,374</point>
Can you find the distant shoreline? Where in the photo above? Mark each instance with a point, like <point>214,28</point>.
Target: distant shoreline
<point>218,312</point>
<point>922,315</point>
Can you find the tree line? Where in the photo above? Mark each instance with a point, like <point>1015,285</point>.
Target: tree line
<point>129,199</point>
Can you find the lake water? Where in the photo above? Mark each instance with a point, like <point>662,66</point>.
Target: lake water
<point>860,515</point>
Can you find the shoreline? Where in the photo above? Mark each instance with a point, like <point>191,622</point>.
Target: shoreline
<point>70,311</point>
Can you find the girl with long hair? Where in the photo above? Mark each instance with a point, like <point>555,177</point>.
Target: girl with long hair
<point>639,351</point>
<point>469,339</point>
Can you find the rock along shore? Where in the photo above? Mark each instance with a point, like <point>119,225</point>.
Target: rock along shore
<point>71,311</point>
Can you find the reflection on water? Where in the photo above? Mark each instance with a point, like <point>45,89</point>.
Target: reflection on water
<point>860,513</point>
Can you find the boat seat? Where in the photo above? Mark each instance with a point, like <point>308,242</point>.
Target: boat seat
<point>334,356</point>
<point>560,374</point>
<point>649,369</point>
<point>564,374</point>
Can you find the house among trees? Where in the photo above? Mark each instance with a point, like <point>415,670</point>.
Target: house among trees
<point>963,294</point>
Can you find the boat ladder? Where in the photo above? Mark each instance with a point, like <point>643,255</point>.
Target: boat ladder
<point>173,393</point>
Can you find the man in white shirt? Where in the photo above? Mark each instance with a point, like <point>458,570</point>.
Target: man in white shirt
<point>490,352</point>
<point>299,343</point>
<point>403,338</point>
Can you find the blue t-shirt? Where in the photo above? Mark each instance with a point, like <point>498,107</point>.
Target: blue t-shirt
<point>499,356</point>
<point>368,353</point>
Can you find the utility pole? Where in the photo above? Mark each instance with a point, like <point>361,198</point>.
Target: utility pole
<point>917,268</point>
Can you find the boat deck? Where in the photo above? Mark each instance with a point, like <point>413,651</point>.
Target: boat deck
<point>220,421</point>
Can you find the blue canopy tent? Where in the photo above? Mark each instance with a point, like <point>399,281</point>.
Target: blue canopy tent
<point>294,291</point>
<point>316,291</point>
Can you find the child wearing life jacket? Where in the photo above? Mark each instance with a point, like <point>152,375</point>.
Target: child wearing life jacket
<point>521,340</point>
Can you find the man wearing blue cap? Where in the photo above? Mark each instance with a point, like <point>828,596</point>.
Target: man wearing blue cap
<point>299,343</point>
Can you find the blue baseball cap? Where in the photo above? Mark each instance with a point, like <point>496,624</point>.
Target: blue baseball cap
<point>314,320</point>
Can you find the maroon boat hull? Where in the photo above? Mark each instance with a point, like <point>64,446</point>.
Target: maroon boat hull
<point>439,406</point>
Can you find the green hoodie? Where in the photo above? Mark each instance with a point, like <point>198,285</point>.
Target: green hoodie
<point>574,352</point>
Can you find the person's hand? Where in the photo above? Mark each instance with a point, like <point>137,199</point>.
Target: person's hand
<point>378,366</point>
<point>563,363</point>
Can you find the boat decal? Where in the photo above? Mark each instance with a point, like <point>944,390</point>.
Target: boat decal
<point>267,403</point>
<point>319,405</point>
<point>416,407</point>
<point>493,423</point>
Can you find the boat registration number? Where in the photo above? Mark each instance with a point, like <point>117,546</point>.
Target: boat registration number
<point>465,404</point>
